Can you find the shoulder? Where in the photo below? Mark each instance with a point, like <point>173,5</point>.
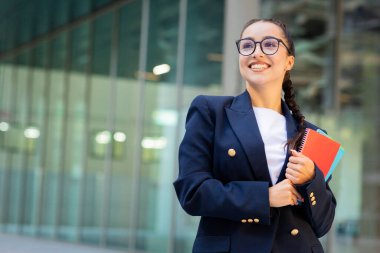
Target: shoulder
<point>213,101</point>
<point>205,109</point>
<point>314,127</point>
<point>212,104</point>
<point>209,107</point>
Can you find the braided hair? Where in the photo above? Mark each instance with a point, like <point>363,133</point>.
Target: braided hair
<point>287,84</point>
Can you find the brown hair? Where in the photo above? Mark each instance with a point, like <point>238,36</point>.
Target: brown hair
<point>287,84</point>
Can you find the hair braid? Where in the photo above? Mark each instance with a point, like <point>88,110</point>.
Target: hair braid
<point>289,96</point>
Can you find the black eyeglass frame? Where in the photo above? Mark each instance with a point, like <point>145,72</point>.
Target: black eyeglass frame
<point>261,47</point>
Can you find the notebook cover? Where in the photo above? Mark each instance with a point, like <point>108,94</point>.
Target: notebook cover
<point>337,159</point>
<point>322,150</point>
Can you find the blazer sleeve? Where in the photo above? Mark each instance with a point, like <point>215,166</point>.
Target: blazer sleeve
<point>319,203</point>
<point>198,191</point>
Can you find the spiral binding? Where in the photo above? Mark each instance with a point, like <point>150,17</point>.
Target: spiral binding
<point>304,140</point>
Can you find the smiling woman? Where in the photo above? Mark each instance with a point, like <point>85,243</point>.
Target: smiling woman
<point>257,194</point>
<point>270,62</point>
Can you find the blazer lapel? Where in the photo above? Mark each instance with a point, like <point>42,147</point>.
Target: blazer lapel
<point>291,129</point>
<point>243,122</point>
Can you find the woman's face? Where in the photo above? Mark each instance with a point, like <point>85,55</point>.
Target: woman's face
<point>259,69</point>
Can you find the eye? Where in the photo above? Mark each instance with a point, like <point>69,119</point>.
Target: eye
<point>246,45</point>
<point>270,43</point>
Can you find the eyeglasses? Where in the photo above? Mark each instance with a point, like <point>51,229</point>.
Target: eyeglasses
<point>268,46</point>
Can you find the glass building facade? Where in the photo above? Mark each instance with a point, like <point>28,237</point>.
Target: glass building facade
<point>93,99</point>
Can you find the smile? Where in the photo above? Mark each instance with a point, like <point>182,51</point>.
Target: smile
<point>259,66</point>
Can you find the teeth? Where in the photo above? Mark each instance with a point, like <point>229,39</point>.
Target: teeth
<point>259,66</point>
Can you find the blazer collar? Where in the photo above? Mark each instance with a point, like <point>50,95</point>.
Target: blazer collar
<point>243,104</point>
<point>243,122</point>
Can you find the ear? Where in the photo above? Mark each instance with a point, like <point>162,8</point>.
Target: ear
<point>289,62</point>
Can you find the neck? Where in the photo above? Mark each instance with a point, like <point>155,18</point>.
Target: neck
<point>266,98</point>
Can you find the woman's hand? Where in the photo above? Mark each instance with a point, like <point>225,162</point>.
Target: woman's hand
<point>283,194</point>
<point>300,168</point>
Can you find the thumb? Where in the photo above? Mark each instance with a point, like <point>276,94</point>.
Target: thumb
<point>296,153</point>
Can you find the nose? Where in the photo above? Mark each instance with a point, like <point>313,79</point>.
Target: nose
<point>258,52</point>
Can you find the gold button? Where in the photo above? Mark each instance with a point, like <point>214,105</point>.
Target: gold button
<point>243,221</point>
<point>250,220</point>
<point>311,194</point>
<point>256,220</point>
<point>294,232</point>
<point>312,198</point>
<point>231,152</point>
<point>314,202</point>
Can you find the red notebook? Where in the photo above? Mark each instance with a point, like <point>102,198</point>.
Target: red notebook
<point>321,149</point>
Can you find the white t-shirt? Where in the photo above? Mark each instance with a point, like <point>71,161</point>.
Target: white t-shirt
<point>272,127</point>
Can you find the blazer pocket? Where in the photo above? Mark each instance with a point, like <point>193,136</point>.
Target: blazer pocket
<point>317,249</point>
<point>212,244</point>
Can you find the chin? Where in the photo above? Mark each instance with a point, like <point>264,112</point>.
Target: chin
<point>257,82</point>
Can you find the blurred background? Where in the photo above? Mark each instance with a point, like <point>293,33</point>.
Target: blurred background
<point>93,99</point>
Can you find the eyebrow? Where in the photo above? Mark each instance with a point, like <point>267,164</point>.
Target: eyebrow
<point>266,37</point>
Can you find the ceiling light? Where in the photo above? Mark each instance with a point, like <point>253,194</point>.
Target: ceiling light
<point>161,69</point>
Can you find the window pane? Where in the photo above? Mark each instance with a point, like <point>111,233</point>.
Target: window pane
<point>54,139</point>
<point>33,133</point>
<point>129,39</point>
<point>41,17</point>
<point>124,148</point>
<point>74,136</point>
<point>24,24</point>
<point>59,12</point>
<point>7,70</point>
<point>16,142</point>
<point>204,43</point>
<point>162,44</point>
<point>99,133</point>
<point>80,8</point>
<point>158,142</point>
<point>100,3</point>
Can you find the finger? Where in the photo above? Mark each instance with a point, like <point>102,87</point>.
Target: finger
<point>292,178</point>
<point>292,173</point>
<point>296,153</point>
<point>294,191</point>
<point>294,166</point>
<point>296,194</point>
<point>289,176</point>
<point>293,199</point>
<point>297,159</point>
<point>289,197</point>
<point>287,182</point>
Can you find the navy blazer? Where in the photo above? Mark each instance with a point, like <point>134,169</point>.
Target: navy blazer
<point>224,178</point>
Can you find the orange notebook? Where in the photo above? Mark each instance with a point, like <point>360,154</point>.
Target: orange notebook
<point>323,150</point>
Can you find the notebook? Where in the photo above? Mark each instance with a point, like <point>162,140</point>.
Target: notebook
<point>323,150</point>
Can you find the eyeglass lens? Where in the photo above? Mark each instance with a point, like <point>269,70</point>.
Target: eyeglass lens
<point>268,46</point>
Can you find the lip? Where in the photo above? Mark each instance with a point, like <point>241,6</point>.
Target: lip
<point>260,66</point>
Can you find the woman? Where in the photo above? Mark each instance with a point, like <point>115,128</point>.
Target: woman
<point>238,168</point>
